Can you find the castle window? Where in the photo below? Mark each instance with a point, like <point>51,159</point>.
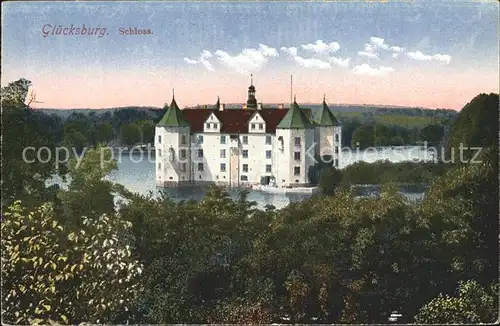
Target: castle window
<point>222,139</point>
<point>182,153</point>
<point>159,139</point>
<point>336,149</point>
<point>268,154</point>
<point>200,139</point>
<point>183,167</point>
<point>336,163</point>
<point>223,167</point>
<point>253,126</point>
<point>261,126</point>
<point>244,140</point>
<point>296,170</point>
<point>183,139</point>
<point>268,168</point>
<point>159,166</point>
<point>268,140</point>
<point>245,153</point>
<point>336,137</point>
<point>296,156</point>
<point>222,153</point>
<point>244,178</point>
<point>200,153</point>
<point>297,141</point>
<point>159,152</point>
<point>245,167</point>
<point>280,140</point>
<point>200,167</point>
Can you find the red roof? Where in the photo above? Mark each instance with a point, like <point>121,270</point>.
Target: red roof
<point>233,121</point>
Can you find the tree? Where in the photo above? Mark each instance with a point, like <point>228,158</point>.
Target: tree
<point>472,305</point>
<point>476,125</point>
<point>103,133</point>
<point>88,193</point>
<point>24,133</point>
<point>363,137</point>
<point>51,273</point>
<point>130,134</point>
<point>329,180</point>
<point>433,134</point>
<point>147,129</point>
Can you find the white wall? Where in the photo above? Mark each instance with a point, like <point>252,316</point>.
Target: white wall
<point>168,161</point>
<point>286,157</point>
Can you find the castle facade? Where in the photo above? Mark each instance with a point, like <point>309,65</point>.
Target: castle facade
<point>245,146</point>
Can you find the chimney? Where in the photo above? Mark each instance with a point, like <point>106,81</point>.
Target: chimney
<point>244,106</point>
<point>259,106</point>
<point>281,106</point>
<point>221,107</point>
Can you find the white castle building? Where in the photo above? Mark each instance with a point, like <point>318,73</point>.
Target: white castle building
<point>245,146</point>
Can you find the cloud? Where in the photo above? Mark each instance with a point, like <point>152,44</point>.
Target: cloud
<point>292,51</point>
<point>340,62</point>
<point>320,47</point>
<point>190,62</point>
<point>368,54</point>
<point>365,69</point>
<point>313,63</point>
<point>397,49</point>
<point>203,60</point>
<point>320,62</point>
<point>417,55</point>
<point>375,44</point>
<point>248,60</point>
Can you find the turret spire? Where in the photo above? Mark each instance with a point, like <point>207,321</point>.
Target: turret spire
<point>251,101</point>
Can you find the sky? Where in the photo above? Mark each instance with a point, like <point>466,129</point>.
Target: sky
<point>425,54</point>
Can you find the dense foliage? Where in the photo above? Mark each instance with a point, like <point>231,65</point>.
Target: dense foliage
<point>75,255</point>
<point>52,273</point>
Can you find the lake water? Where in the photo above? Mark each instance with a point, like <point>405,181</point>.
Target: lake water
<point>139,176</point>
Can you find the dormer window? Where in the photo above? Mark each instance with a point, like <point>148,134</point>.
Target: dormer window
<point>253,126</point>
<point>208,125</point>
<point>215,126</point>
<point>261,126</point>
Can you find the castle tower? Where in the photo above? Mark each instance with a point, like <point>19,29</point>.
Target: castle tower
<point>295,151</point>
<point>172,144</point>
<point>328,134</point>
<point>251,101</point>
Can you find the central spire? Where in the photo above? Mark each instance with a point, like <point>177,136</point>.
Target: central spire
<point>252,101</point>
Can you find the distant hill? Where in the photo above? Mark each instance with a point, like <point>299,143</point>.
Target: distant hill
<point>64,113</point>
<point>350,110</point>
